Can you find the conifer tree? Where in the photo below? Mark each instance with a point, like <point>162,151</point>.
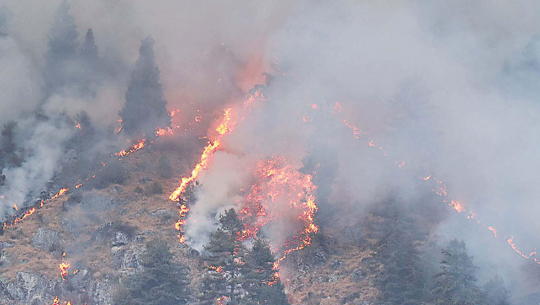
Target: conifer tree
<point>402,279</point>
<point>224,261</point>
<point>89,50</point>
<point>496,292</point>
<point>145,107</point>
<point>61,49</point>
<point>260,281</point>
<point>456,282</point>
<point>162,281</point>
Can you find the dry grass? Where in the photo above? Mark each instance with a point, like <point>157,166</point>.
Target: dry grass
<point>137,213</point>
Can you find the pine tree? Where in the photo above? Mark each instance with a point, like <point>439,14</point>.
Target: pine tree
<point>260,281</point>
<point>162,281</point>
<point>89,50</point>
<point>145,107</point>
<point>224,261</point>
<point>496,293</point>
<point>456,282</point>
<point>403,277</point>
<point>62,48</point>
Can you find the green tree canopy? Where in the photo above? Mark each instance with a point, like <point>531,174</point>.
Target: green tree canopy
<point>456,281</point>
<point>162,281</point>
<point>145,108</point>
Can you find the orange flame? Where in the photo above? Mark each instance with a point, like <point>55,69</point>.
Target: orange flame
<point>61,192</point>
<point>141,144</point>
<point>279,182</point>
<point>440,189</point>
<point>64,269</point>
<point>160,132</point>
<point>225,127</point>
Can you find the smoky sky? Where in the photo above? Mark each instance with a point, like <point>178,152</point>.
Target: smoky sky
<point>448,87</point>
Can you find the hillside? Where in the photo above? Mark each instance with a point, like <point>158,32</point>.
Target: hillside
<point>102,233</point>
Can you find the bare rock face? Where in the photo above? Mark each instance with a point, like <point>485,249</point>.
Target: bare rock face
<point>31,288</point>
<point>4,259</point>
<point>47,240</point>
<point>101,292</point>
<point>358,275</point>
<point>119,239</point>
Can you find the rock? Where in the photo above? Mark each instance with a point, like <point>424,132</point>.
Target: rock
<point>316,257</point>
<point>101,292</point>
<point>5,259</point>
<point>165,216</point>
<point>46,240</point>
<point>117,201</point>
<point>5,296</point>
<point>116,189</point>
<point>357,276</point>
<point>110,232</point>
<point>333,278</point>
<point>117,256</point>
<point>31,288</point>
<point>119,239</point>
<point>336,265</point>
<point>368,261</point>
<point>127,258</point>
<point>193,253</point>
<point>6,244</point>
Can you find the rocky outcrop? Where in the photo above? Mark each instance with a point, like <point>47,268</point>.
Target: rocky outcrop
<point>30,288</point>
<point>47,240</point>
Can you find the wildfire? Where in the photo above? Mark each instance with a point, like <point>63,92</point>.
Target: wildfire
<point>64,269</point>
<point>225,127</point>
<point>456,205</point>
<point>440,189</point>
<point>61,192</point>
<point>222,300</point>
<point>278,182</point>
<point>56,301</point>
<point>141,144</point>
<point>184,210</point>
<point>160,132</point>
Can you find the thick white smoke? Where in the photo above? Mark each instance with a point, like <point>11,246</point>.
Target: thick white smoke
<point>448,87</point>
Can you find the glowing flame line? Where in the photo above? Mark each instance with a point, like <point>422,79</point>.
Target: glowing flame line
<point>441,191</point>
<point>225,127</point>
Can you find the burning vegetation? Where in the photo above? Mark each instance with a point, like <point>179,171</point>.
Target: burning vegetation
<point>250,172</point>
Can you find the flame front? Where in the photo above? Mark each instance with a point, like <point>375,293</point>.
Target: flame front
<point>225,127</point>
<point>279,183</point>
<point>440,189</point>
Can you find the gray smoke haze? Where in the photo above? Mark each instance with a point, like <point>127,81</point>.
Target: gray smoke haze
<point>448,87</point>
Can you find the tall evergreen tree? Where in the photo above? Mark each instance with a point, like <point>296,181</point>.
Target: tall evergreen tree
<point>162,281</point>
<point>62,48</point>
<point>402,279</point>
<point>259,280</point>
<point>456,282</point>
<point>224,261</point>
<point>496,292</point>
<point>145,107</point>
<point>90,65</point>
<point>89,50</point>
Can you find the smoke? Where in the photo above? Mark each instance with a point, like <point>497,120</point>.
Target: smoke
<point>441,89</point>
<point>448,88</point>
